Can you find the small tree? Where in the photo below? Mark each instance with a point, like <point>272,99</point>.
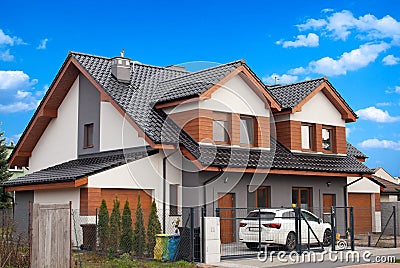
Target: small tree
<point>103,225</point>
<point>139,235</point>
<point>126,232</point>
<point>115,226</point>
<point>153,228</point>
<point>4,173</point>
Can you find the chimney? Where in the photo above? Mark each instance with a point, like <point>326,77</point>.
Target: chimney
<point>121,68</point>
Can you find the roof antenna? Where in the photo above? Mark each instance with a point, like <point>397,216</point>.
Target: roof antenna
<point>123,53</point>
<point>276,78</point>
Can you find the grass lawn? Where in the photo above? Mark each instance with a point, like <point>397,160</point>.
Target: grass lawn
<point>89,260</point>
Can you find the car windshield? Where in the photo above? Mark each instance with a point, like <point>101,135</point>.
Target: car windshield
<point>269,216</point>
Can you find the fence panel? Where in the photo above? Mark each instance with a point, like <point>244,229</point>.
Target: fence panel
<point>51,235</point>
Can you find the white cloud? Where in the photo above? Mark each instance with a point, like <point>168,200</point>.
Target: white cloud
<point>8,40</point>
<point>280,79</point>
<point>42,44</point>
<point>380,144</point>
<point>327,10</point>
<point>397,89</point>
<point>390,60</point>
<point>340,25</point>
<point>6,56</point>
<point>383,104</point>
<point>376,115</point>
<point>348,61</point>
<point>19,106</point>
<point>15,80</point>
<point>23,94</point>
<point>311,40</point>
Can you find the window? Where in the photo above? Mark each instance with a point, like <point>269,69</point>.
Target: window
<point>306,137</point>
<point>173,199</point>
<point>16,169</point>
<point>327,139</point>
<point>259,198</point>
<point>246,130</point>
<point>302,197</point>
<point>220,131</point>
<point>88,135</point>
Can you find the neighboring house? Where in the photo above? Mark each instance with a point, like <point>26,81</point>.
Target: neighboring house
<point>110,126</point>
<point>391,191</point>
<point>17,171</point>
<point>364,194</point>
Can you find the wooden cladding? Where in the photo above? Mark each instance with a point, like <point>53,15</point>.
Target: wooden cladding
<point>377,201</point>
<point>90,199</point>
<point>199,124</point>
<point>289,134</point>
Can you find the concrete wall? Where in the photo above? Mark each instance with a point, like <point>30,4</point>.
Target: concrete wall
<point>235,96</point>
<point>89,112</point>
<point>58,142</point>
<point>386,211</point>
<point>21,211</point>
<point>145,174</point>
<point>115,131</point>
<point>326,114</point>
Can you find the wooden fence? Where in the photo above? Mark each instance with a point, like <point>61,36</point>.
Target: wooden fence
<point>51,235</point>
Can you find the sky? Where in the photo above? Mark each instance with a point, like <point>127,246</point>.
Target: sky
<point>356,44</point>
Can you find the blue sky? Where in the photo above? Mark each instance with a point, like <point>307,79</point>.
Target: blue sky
<point>356,44</point>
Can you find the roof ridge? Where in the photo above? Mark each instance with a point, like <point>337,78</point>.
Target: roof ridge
<point>296,83</point>
<point>87,54</point>
<point>207,69</point>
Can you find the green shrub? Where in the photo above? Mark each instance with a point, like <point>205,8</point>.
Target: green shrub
<point>139,235</point>
<point>126,232</point>
<point>103,226</point>
<point>153,228</point>
<point>115,226</point>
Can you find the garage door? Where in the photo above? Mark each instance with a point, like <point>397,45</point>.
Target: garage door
<point>362,212</point>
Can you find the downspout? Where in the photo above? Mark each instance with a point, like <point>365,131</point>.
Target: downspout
<point>165,187</point>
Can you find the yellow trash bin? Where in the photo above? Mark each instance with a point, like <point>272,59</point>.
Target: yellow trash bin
<point>161,246</point>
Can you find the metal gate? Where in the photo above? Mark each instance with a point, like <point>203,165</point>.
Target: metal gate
<point>246,231</point>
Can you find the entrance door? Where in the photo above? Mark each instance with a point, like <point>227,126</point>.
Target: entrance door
<point>328,202</point>
<point>226,203</point>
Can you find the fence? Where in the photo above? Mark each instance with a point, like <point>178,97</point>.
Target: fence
<point>141,237</point>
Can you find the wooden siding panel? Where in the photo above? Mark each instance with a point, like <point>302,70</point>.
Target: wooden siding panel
<point>377,202</point>
<point>283,133</point>
<point>263,132</point>
<point>235,129</point>
<point>340,140</point>
<point>318,138</point>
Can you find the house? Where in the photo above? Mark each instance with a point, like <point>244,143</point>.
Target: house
<point>391,190</point>
<point>217,137</point>
<point>16,171</point>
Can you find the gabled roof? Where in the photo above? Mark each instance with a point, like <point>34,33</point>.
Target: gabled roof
<point>353,151</point>
<point>390,187</point>
<point>136,100</point>
<point>294,96</point>
<point>82,167</point>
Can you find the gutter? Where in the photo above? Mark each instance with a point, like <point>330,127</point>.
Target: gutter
<point>165,187</point>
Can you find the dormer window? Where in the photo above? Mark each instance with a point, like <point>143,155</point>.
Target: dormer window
<point>306,136</point>
<point>220,128</point>
<point>327,139</point>
<point>88,136</point>
<point>246,130</point>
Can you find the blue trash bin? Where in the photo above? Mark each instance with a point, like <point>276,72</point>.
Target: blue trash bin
<point>173,242</point>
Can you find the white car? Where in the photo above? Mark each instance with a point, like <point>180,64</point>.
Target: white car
<point>278,228</point>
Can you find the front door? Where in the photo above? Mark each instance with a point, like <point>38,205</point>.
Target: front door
<point>329,201</point>
<point>226,202</point>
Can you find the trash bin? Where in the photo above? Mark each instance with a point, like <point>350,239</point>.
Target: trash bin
<point>173,242</point>
<point>161,247</point>
<point>89,231</point>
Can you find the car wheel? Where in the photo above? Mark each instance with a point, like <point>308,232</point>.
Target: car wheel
<point>291,241</point>
<point>327,239</point>
<point>253,246</point>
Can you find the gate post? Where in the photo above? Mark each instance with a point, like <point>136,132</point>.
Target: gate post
<point>352,228</point>
<point>203,251</point>
<point>218,212</point>
<point>297,225</point>
<point>192,233</point>
<point>395,226</point>
<point>333,225</point>
<point>259,229</point>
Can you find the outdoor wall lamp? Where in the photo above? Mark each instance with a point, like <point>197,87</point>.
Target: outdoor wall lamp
<point>328,183</point>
